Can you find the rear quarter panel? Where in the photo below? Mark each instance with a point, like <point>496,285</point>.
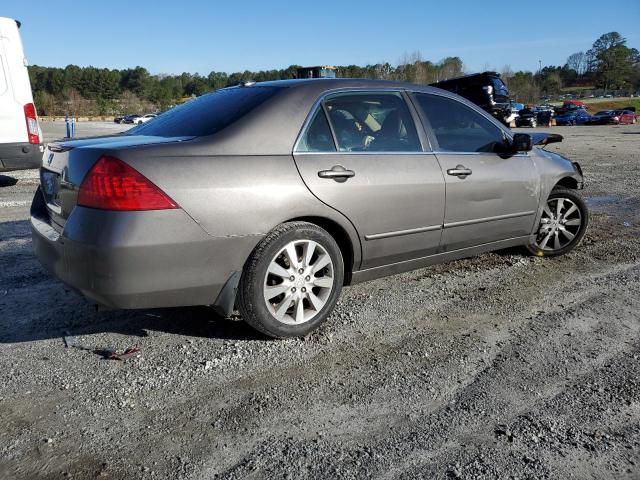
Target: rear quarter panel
<point>234,195</point>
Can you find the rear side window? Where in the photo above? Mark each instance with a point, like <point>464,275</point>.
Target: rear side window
<point>456,127</point>
<point>318,136</point>
<point>372,122</point>
<point>207,114</point>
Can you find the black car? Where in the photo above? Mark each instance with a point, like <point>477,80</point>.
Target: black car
<point>487,90</point>
<point>527,117</point>
<point>532,117</point>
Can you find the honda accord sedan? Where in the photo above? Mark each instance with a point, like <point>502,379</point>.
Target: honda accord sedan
<point>270,197</point>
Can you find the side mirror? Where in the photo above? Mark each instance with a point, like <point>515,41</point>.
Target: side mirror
<point>522,142</point>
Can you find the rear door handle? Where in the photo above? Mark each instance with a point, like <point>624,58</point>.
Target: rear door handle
<point>460,171</point>
<point>337,173</point>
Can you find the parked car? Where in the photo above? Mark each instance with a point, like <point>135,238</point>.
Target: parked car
<point>208,205</point>
<point>145,118</point>
<point>487,90</point>
<point>613,117</point>
<point>576,116</point>
<point>527,117</point>
<point>131,118</point>
<point>21,141</point>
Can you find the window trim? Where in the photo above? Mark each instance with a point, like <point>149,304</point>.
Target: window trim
<point>429,130</point>
<point>423,139</point>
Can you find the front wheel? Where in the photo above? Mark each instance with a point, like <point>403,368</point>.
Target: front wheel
<point>292,280</point>
<point>563,223</point>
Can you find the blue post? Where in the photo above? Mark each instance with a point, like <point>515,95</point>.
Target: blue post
<point>66,121</point>
<point>73,127</point>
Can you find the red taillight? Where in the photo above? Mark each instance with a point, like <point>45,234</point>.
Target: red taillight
<point>111,184</point>
<point>32,123</point>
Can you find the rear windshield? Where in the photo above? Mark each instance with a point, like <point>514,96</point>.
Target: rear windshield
<point>207,114</point>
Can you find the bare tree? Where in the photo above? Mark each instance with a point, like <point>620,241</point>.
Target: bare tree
<point>578,62</point>
<point>506,72</point>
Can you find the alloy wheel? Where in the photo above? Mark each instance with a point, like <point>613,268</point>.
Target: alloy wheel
<point>298,282</point>
<point>560,223</point>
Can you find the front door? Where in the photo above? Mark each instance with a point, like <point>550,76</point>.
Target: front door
<point>489,197</point>
<point>369,164</point>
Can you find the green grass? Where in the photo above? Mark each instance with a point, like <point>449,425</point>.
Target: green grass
<point>613,104</point>
<point>598,104</point>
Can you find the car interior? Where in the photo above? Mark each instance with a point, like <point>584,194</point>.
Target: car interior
<point>375,123</point>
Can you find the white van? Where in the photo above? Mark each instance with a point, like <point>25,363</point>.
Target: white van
<point>21,144</point>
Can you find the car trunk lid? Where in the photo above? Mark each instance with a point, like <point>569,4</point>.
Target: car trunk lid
<point>66,163</point>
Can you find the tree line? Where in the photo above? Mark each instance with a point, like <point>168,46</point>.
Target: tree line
<point>609,64</point>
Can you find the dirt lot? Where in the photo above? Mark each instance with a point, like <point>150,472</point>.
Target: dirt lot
<point>498,366</point>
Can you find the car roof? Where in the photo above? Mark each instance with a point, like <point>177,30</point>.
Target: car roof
<point>317,84</point>
<point>273,127</point>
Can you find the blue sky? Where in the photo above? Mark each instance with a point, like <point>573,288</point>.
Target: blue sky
<point>201,36</point>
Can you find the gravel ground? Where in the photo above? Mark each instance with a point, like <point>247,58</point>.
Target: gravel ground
<point>497,366</point>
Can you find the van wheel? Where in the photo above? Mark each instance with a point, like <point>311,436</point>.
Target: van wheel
<point>563,223</point>
<point>291,281</point>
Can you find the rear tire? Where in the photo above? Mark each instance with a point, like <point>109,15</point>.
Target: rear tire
<point>291,281</point>
<point>563,224</point>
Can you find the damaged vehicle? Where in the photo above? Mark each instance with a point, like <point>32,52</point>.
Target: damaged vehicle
<point>270,197</point>
<point>487,90</point>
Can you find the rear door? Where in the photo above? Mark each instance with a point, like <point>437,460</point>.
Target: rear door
<point>361,154</point>
<point>489,197</point>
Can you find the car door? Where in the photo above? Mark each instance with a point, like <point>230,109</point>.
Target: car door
<point>361,154</point>
<point>489,197</point>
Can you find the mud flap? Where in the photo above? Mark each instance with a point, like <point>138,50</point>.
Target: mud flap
<point>227,297</point>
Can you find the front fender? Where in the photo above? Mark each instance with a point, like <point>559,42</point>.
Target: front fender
<point>555,169</point>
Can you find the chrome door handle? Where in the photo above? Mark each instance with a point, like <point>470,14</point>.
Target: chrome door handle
<point>460,171</point>
<point>337,173</point>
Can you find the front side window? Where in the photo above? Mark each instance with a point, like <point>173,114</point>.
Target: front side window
<point>372,122</point>
<point>317,137</point>
<point>457,127</point>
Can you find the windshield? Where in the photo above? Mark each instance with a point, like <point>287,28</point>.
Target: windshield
<point>207,114</point>
<point>500,88</point>
<point>604,112</point>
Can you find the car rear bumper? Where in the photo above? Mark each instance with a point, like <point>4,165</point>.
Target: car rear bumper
<point>20,156</point>
<point>149,259</point>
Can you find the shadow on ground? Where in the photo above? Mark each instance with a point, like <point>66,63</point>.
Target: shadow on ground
<point>36,306</point>
<point>6,181</point>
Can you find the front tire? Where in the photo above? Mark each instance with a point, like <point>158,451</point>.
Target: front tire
<point>291,281</point>
<point>563,223</point>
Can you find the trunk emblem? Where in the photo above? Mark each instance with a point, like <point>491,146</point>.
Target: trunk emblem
<point>50,159</point>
